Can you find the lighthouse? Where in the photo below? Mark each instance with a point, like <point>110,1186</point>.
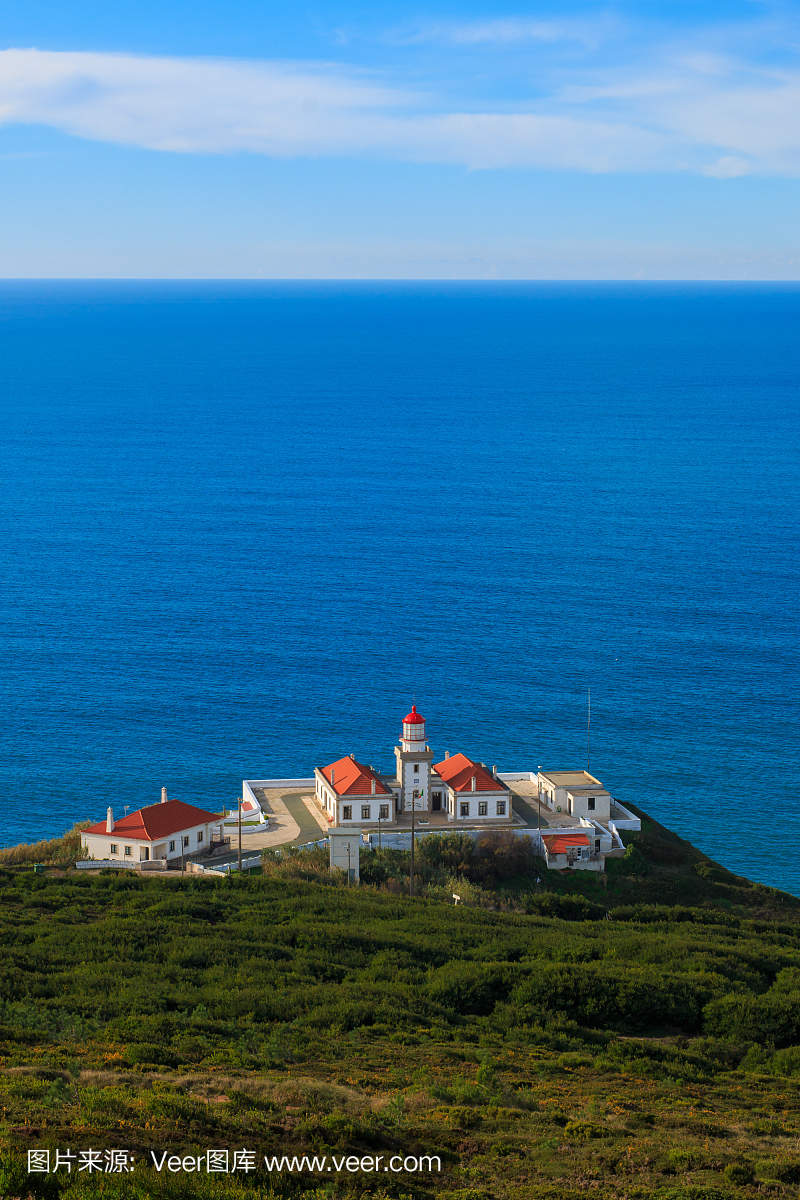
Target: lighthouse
<point>414,760</point>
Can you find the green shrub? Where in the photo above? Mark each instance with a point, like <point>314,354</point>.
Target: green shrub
<point>606,997</point>
<point>739,1173</point>
<point>633,862</point>
<point>786,1062</point>
<point>660,850</point>
<point>568,908</point>
<point>774,1018</point>
<point>470,987</point>
<point>582,1131</point>
<point>148,1052</point>
<point>783,1171</point>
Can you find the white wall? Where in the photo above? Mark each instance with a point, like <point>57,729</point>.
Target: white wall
<point>419,781</point>
<point>579,805</point>
<point>249,794</point>
<point>627,820</point>
<point>275,783</point>
<point>490,799</point>
<point>344,849</point>
<point>99,844</point>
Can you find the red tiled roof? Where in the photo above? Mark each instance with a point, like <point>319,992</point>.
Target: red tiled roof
<point>353,778</point>
<point>458,771</point>
<point>158,821</point>
<point>413,718</point>
<point>559,843</point>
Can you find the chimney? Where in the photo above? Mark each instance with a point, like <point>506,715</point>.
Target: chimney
<point>373,787</point>
<point>447,753</point>
<point>353,757</point>
<point>473,783</point>
<point>333,775</point>
<point>494,770</point>
<point>163,795</point>
<point>109,821</point>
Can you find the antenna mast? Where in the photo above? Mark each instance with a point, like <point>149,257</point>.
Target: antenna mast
<point>588,724</point>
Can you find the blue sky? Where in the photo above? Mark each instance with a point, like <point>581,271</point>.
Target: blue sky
<point>442,140</point>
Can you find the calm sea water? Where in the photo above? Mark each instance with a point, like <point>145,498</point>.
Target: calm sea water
<point>243,525</point>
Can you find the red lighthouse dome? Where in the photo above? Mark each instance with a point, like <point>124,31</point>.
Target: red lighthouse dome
<point>414,728</point>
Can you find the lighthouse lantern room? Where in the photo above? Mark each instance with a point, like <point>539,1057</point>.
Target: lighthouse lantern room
<point>413,730</point>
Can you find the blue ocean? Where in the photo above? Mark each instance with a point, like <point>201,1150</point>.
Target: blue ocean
<point>245,524</point>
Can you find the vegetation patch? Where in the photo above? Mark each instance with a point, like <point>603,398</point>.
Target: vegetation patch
<point>552,1036</point>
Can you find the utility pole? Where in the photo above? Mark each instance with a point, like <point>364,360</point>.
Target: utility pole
<point>349,868</point>
<point>239,798</point>
<point>379,826</point>
<point>413,814</point>
<point>539,807</point>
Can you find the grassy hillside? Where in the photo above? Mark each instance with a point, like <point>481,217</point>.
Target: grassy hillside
<point>534,1045</point>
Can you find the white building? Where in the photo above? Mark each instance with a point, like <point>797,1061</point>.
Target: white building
<point>352,793</point>
<point>464,790</point>
<point>469,791</point>
<point>576,794</point>
<point>344,846</point>
<point>160,831</point>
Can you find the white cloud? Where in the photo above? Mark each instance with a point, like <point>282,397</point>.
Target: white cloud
<point>504,31</point>
<point>704,113</point>
<point>188,104</point>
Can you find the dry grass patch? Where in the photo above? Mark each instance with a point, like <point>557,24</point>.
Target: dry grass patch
<point>56,852</point>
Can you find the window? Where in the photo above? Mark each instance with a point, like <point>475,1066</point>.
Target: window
<point>483,808</point>
<point>416,768</point>
<point>172,845</point>
<point>186,841</point>
<point>364,812</point>
<point>591,804</point>
<point>347,812</point>
<point>200,837</point>
<point>114,848</point>
<point>128,852</point>
<point>384,813</point>
<point>501,808</point>
<point>465,808</point>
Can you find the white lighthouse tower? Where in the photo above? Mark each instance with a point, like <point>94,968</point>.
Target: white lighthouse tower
<point>414,759</point>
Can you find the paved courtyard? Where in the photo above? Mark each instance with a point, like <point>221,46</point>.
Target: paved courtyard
<point>295,819</point>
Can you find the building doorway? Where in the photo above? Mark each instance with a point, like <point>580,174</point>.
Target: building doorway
<point>436,802</point>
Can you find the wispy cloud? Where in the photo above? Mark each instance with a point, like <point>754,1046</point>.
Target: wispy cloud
<point>504,31</point>
<point>191,105</point>
<point>700,112</point>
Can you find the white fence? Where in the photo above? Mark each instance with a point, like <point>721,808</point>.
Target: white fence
<point>627,821</point>
<point>401,839</point>
<point>249,784</point>
<point>226,869</point>
<point>98,864</point>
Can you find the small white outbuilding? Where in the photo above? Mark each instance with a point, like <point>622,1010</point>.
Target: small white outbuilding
<point>344,847</point>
